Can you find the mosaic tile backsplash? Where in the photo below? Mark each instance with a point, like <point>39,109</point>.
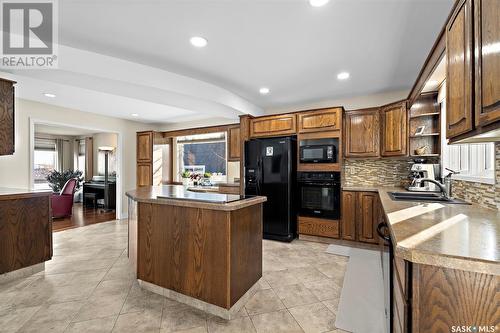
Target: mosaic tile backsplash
<point>394,172</point>
<point>485,195</point>
<point>376,172</point>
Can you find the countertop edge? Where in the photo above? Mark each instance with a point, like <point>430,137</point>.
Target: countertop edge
<point>230,206</point>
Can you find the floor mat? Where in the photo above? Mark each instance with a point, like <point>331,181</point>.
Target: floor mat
<point>361,306</point>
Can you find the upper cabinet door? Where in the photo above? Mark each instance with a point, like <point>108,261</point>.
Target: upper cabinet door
<point>285,124</point>
<point>234,144</point>
<point>487,61</point>
<point>362,133</point>
<point>394,135</point>
<point>145,147</point>
<point>320,120</point>
<point>6,117</point>
<point>459,107</point>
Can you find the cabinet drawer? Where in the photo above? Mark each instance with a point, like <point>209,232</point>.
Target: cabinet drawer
<point>320,120</point>
<point>273,125</point>
<point>318,227</point>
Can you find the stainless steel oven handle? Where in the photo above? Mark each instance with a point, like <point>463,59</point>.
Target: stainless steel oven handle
<point>382,235</point>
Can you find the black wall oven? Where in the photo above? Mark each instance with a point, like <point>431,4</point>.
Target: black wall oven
<point>318,150</point>
<point>319,194</point>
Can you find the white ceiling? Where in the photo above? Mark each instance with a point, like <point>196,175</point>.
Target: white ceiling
<point>292,48</point>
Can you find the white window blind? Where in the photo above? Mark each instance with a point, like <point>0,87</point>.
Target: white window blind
<point>475,161</point>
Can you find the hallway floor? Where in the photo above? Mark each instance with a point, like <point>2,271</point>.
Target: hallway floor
<point>81,217</point>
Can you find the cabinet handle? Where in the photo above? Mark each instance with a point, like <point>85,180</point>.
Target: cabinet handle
<point>381,233</point>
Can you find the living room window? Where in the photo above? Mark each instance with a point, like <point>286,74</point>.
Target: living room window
<point>202,153</point>
<point>45,161</point>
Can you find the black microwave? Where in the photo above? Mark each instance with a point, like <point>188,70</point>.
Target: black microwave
<point>318,150</point>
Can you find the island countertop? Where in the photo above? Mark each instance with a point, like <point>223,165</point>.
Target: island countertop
<point>178,195</point>
<point>465,237</point>
<point>8,193</point>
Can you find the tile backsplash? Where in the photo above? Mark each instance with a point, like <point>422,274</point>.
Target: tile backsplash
<point>394,172</point>
<point>372,172</point>
<point>485,195</point>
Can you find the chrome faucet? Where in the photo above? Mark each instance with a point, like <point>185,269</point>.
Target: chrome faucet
<point>444,192</point>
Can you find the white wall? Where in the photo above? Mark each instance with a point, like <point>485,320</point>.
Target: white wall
<point>99,140</point>
<point>15,169</point>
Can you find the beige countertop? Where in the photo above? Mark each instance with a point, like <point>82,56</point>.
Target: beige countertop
<point>178,195</point>
<point>465,237</point>
<point>7,193</point>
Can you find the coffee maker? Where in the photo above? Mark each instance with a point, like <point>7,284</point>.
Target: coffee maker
<point>420,170</point>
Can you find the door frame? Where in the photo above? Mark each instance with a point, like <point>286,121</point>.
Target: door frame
<point>119,159</point>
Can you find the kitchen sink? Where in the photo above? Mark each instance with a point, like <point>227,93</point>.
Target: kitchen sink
<point>424,196</point>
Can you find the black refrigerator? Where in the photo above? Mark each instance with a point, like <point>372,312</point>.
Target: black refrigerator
<point>270,170</point>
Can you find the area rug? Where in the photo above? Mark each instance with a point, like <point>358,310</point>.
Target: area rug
<point>361,307</point>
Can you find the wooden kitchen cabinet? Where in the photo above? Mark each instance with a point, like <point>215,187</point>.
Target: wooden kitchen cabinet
<point>360,216</point>
<point>144,166</point>
<point>394,134</point>
<point>348,221</point>
<point>144,146</point>
<point>144,174</point>
<point>367,216</point>
<point>285,124</point>
<point>487,62</point>
<point>459,70</point>
<point>362,130</point>
<point>234,144</point>
<point>7,130</point>
<point>320,120</point>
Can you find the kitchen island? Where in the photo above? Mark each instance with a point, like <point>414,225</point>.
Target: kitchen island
<point>201,249</point>
<point>25,232</point>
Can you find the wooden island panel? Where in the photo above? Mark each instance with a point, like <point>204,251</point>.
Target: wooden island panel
<point>25,231</point>
<point>211,255</point>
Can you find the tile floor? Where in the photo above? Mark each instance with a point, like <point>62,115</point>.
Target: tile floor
<point>88,287</point>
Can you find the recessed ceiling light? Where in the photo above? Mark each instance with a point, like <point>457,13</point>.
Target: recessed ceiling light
<point>49,95</point>
<point>318,3</point>
<point>343,76</point>
<point>264,90</point>
<point>198,41</point>
<point>135,115</point>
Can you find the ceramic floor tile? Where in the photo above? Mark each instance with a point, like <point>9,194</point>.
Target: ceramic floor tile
<point>276,322</point>
<point>242,325</point>
<point>324,289</point>
<point>294,295</point>
<point>332,305</point>
<point>52,326</point>
<point>307,274</point>
<point>100,325</point>
<point>13,320</point>
<point>149,302</point>
<point>138,322</point>
<point>183,320</point>
<point>280,278</point>
<point>314,318</point>
<point>263,301</point>
<point>101,306</point>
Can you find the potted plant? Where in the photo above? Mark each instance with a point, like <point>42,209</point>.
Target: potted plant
<point>186,177</point>
<point>57,179</point>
